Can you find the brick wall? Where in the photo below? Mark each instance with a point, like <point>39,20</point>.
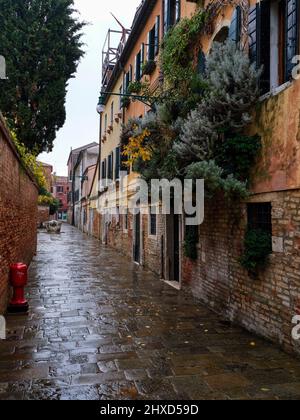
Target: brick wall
<point>265,305</point>
<point>18,213</point>
<point>122,240</point>
<point>43,215</point>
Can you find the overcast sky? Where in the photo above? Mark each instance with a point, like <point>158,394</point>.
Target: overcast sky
<point>82,124</point>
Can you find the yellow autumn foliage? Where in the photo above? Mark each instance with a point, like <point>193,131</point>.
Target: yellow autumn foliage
<point>136,148</point>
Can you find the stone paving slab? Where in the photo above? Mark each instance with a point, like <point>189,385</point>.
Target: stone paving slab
<point>101,328</point>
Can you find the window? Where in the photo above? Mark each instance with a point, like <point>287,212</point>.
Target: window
<point>105,123</point>
<point>252,31</point>
<point>235,26</point>
<point>127,81</point>
<point>153,223</point>
<point>260,217</point>
<point>112,114</point>
<point>104,172</point>
<point>110,166</point>
<point>291,35</point>
<point>138,66</point>
<point>120,97</point>
<point>153,40</point>
<point>60,189</point>
<point>117,163</point>
<point>126,221</point>
<point>274,40</point>
<point>171,13</point>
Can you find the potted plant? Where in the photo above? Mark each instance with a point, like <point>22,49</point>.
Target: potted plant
<point>149,67</point>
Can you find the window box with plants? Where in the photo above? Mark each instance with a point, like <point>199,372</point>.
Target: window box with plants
<point>149,67</point>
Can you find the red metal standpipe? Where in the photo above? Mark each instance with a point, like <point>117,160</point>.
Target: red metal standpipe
<point>18,279</point>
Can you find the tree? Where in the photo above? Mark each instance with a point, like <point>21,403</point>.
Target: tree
<point>41,42</point>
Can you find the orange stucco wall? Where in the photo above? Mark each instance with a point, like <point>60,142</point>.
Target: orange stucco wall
<point>137,109</point>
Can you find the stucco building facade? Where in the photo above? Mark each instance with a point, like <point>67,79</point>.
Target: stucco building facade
<point>268,303</point>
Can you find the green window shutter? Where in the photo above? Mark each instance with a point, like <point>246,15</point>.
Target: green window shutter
<point>178,11</point>
<point>235,26</point>
<point>143,53</point>
<point>117,164</point>
<point>166,16</point>
<point>291,35</point>
<point>149,46</point>
<point>252,33</point>
<point>264,44</point>
<point>157,35</point>
<point>259,40</point>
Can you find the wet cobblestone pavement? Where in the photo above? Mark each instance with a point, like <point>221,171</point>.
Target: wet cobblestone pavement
<point>101,328</point>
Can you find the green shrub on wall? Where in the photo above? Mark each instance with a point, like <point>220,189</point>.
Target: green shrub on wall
<point>258,247</point>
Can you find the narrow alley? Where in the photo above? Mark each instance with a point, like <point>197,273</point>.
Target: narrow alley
<point>100,327</point>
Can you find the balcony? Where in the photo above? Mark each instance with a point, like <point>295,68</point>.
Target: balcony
<point>112,50</point>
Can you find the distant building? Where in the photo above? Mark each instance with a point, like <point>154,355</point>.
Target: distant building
<point>79,160</point>
<point>60,190</point>
<point>44,210</point>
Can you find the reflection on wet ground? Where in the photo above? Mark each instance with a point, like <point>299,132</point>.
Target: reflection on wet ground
<point>99,327</point>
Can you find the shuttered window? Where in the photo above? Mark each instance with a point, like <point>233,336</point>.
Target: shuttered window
<point>172,13</point>
<point>157,35</point>
<point>291,35</point>
<point>259,41</point>
<point>252,30</point>
<point>235,26</point>
<point>104,172</point>
<point>117,163</point>
<point>110,167</point>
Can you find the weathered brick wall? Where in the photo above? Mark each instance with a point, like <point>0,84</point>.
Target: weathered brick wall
<point>43,215</point>
<point>265,305</point>
<point>122,240</point>
<point>18,213</point>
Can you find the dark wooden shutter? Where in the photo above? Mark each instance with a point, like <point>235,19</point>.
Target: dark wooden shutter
<point>252,32</point>
<point>143,54</point>
<point>259,41</point>
<point>178,11</point>
<point>235,26</point>
<point>109,167</point>
<point>148,46</point>
<point>166,5</point>
<point>264,44</point>
<point>117,164</point>
<point>157,35</point>
<point>291,35</point>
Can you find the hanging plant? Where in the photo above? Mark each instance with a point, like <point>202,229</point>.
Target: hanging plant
<point>125,102</point>
<point>134,87</point>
